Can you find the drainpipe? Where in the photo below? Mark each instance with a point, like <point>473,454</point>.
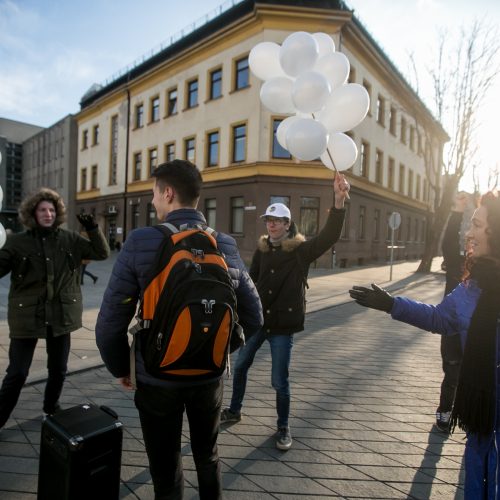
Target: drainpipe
<point>127,145</point>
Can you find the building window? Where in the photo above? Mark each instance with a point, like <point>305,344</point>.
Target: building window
<point>412,138</point>
<point>280,199</point>
<point>137,166</point>
<point>389,233</point>
<point>113,164</point>
<point>403,130</point>
<point>392,120</point>
<point>408,229</point>
<point>216,84</point>
<point>415,231</point>
<point>237,212</point>
<point>417,194</point>
<point>365,158</point>
<point>134,214</point>
<point>390,173</point>
<point>278,150</point>
<point>362,223</point>
<point>379,166</point>
<point>154,109</point>
<point>423,231</point>
<point>376,224</point>
<point>381,111</point>
<point>172,102</point>
<point>93,177</point>
<point>420,143</point>
<point>85,139</point>
<point>211,212</point>
<point>170,151</point>
<point>368,88</point>
<point>95,135</point>
<point>139,116</point>
<point>153,160</point>
<point>192,94</point>
<point>309,215</point>
<point>401,178</point>
<point>345,228</point>
<point>83,179</point>
<point>151,215</point>
<point>212,149</point>
<point>241,80</point>
<point>410,183</point>
<point>239,143</point>
<point>189,149</point>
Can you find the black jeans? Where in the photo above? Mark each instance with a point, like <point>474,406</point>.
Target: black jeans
<point>20,357</point>
<point>161,411</point>
<point>451,354</point>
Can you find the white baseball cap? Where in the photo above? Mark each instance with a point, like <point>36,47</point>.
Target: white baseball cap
<point>277,210</point>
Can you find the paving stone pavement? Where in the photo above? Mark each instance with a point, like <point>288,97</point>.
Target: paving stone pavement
<point>364,392</point>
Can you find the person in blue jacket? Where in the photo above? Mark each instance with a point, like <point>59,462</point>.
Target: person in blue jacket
<point>161,403</point>
<point>471,309</point>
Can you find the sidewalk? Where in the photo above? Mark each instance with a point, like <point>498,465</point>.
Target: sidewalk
<point>364,392</point>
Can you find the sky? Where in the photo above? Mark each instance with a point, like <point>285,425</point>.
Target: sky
<point>52,51</point>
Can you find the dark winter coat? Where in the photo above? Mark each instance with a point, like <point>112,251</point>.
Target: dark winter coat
<point>280,274</point>
<point>128,281</point>
<point>45,279</point>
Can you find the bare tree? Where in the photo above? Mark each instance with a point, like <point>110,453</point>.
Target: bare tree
<point>461,78</point>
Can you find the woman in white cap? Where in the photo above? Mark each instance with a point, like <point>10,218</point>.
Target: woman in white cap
<point>279,269</point>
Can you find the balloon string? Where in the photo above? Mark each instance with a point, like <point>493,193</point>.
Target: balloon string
<point>331,159</point>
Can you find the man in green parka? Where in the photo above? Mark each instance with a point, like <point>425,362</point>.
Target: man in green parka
<point>45,300</point>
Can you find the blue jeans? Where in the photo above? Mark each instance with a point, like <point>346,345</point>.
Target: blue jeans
<point>281,353</point>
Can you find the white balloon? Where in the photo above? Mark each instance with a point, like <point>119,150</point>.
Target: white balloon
<point>298,53</point>
<point>346,107</point>
<point>343,151</point>
<point>264,61</point>
<point>325,42</point>
<point>1,196</point>
<point>310,91</point>
<point>283,129</point>
<point>3,236</point>
<point>335,67</point>
<point>276,95</point>
<point>306,139</point>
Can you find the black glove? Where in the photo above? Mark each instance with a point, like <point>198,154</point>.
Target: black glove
<point>87,221</point>
<point>377,298</point>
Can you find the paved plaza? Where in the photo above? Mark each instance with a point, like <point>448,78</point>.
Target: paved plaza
<point>364,392</point>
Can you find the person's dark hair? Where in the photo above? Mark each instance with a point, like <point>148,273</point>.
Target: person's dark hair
<point>491,201</point>
<point>28,206</point>
<point>183,176</point>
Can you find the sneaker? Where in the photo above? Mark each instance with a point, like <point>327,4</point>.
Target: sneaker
<point>443,420</point>
<point>227,416</point>
<point>284,438</point>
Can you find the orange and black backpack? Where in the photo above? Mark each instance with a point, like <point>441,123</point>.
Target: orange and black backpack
<point>188,309</point>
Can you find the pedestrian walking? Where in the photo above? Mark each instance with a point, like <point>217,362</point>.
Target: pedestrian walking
<point>45,300</point>
<point>161,403</point>
<point>279,268</point>
<point>471,309</point>
<point>451,348</point>
<point>85,272</point>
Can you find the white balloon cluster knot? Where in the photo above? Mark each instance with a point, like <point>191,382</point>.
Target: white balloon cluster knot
<point>307,79</point>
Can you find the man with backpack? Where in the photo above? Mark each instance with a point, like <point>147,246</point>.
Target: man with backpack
<point>173,371</point>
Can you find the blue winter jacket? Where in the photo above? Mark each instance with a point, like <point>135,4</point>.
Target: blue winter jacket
<point>453,315</point>
<point>128,280</point>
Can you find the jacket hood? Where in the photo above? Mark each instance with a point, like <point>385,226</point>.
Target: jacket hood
<point>27,208</point>
<point>287,245</point>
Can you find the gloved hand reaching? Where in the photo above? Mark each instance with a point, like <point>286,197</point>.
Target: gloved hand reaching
<point>377,298</point>
<point>87,221</point>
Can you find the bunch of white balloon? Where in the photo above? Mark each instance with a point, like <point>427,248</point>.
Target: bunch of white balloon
<point>3,234</point>
<point>306,78</point>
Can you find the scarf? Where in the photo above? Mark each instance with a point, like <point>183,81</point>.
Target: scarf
<point>475,400</point>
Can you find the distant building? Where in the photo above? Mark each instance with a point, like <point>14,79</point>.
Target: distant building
<point>12,136</point>
<point>196,99</point>
<point>50,161</point>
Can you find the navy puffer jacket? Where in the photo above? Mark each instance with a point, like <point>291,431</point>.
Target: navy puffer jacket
<point>128,280</point>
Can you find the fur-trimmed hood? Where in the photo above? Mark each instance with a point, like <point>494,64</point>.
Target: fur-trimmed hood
<point>27,208</point>
<point>287,245</point>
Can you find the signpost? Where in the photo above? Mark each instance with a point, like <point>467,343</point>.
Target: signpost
<point>394,222</point>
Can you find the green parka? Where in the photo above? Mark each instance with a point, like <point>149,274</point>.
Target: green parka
<point>45,279</point>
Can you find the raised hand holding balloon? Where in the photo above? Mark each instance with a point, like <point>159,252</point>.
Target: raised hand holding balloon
<point>306,76</point>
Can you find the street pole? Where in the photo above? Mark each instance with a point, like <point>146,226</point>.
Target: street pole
<point>392,252</point>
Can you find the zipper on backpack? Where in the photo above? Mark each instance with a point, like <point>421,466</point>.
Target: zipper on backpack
<point>159,338</point>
